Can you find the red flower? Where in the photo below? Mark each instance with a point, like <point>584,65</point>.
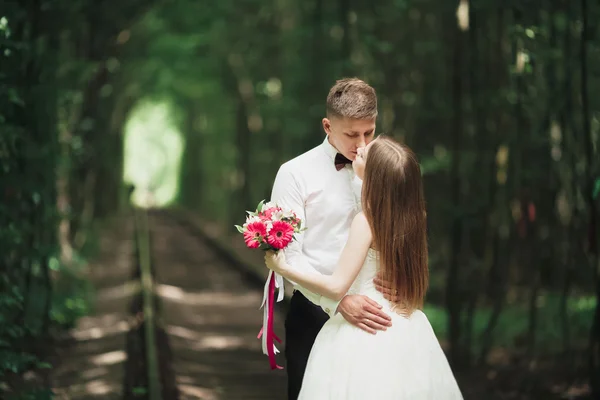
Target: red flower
<point>254,234</point>
<point>280,235</point>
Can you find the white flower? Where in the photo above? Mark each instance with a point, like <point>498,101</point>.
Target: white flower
<point>277,216</point>
<point>268,205</point>
<point>251,219</point>
<point>288,214</point>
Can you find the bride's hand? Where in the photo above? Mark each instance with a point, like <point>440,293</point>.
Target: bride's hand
<point>275,261</point>
<point>385,288</point>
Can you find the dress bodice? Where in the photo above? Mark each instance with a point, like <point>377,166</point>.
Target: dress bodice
<point>363,284</point>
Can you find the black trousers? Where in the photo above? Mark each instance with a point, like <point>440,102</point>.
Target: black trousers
<point>302,324</point>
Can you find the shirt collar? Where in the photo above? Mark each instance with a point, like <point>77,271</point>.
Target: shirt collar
<point>329,149</point>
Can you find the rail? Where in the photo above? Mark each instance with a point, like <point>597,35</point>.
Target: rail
<point>149,312</point>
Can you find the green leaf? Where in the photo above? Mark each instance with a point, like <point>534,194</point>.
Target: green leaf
<point>239,228</point>
<point>15,362</point>
<point>14,97</point>
<point>260,206</point>
<point>44,365</point>
<point>138,391</point>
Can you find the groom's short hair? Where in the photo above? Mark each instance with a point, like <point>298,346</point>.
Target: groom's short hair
<point>352,98</point>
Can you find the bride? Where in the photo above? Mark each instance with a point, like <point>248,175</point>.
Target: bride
<point>389,238</point>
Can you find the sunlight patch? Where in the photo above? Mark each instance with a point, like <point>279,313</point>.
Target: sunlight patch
<point>153,150</point>
<point>113,357</point>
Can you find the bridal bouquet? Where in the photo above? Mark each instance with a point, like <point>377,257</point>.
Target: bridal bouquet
<point>270,227</point>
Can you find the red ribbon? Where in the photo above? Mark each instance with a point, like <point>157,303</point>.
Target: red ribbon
<point>270,333</point>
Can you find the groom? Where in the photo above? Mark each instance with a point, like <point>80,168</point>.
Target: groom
<point>321,188</point>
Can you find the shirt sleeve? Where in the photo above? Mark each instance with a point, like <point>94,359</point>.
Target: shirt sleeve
<point>287,193</point>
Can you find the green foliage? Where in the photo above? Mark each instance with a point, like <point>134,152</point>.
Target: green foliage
<point>52,98</point>
<point>139,391</point>
<point>513,325</point>
<point>32,394</point>
<point>12,361</point>
<point>27,210</point>
<point>72,297</point>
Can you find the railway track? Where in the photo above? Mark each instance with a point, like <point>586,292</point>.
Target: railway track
<point>205,316</point>
<point>191,327</point>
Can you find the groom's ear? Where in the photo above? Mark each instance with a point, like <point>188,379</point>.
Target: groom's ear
<point>326,125</point>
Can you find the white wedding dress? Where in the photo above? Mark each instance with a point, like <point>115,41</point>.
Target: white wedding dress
<point>405,362</point>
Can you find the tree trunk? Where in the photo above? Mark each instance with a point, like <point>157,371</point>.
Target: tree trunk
<point>314,92</point>
<point>191,179</point>
<point>344,9</point>
<point>497,198</point>
<point>453,290</point>
<point>243,164</point>
<point>592,242</point>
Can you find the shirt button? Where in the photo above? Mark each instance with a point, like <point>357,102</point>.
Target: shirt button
<point>327,310</point>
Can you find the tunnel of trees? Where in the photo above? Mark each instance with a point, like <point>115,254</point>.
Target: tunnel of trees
<point>498,99</point>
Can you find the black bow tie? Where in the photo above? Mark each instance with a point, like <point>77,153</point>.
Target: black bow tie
<point>340,161</point>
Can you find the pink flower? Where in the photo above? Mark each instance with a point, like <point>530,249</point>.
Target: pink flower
<point>280,235</point>
<point>268,213</point>
<point>254,234</point>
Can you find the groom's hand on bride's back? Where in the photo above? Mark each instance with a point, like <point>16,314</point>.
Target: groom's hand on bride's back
<point>364,313</point>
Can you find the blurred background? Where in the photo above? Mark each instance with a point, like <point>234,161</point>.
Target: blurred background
<point>193,105</point>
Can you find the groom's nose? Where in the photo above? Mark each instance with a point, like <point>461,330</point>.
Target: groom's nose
<point>361,142</point>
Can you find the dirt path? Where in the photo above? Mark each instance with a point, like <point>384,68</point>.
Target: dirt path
<point>93,357</point>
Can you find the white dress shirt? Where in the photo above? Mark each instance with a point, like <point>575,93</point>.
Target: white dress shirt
<point>327,200</point>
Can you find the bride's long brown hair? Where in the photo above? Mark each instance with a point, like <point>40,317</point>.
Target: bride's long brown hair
<point>394,205</point>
